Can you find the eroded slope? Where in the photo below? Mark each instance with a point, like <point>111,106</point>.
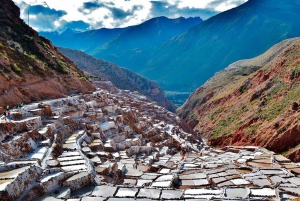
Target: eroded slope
<point>252,102</point>
<point>31,68</point>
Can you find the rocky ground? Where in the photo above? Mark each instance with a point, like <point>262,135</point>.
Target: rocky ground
<point>113,145</point>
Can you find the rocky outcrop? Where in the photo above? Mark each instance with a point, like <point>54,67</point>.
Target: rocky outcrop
<point>252,102</point>
<point>31,68</point>
<point>122,78</point>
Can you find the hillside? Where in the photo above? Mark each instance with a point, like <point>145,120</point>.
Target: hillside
<point>185,62</point>
<point>122,78</point>
<point>31,68</point>
<point>131,47</point>
<point>252,102</point>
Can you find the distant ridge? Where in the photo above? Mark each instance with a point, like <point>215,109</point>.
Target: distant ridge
<point>187,61</point>
<point>120,77</point>
<point>84,41</point>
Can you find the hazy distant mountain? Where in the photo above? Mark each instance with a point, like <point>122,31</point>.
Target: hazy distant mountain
<point>134,42</point>
<point>187,61</point>
<point>107,41</point>
<point>120,77</point>
<point>85,41</point>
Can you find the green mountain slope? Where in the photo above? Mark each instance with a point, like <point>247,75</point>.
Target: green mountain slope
<point>130,47</point>
<point>120,77</point>
<point>187,61</point>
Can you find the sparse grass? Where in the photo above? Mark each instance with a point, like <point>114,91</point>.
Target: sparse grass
<point>215,112</point>
<point>252,129</point>
<point>3,54</point>
<point>242,89</point>
<point>83,79</point>
<point>16,69</point>
<point>275,107</point>
<point>264,138</point>
<point>32,56</point>
<point>193,116</point>
<point>62,67</point>
<point>228,124</point>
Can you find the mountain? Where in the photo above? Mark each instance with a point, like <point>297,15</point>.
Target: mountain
<point>84,41</point>
<point>68,32</point>
<point>252,102</point>
<point>131,47</point>
<point>120,77</point>
<point>31,68</point>
<point>128,46</point>
<point>185,62</point>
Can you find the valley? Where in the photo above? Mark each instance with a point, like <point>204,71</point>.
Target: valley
<point>112,145</point>
<point>161,110</point>
<point>184,60</point>
<point>177,98</point>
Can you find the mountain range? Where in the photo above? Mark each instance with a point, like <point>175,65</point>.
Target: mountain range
<point>114,41</point>
<point>240,33</point>
<point>84,41</point>
<point>31,68</point>
<point>186,61</point>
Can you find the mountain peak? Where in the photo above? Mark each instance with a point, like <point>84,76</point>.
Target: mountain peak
<point>68,32</point>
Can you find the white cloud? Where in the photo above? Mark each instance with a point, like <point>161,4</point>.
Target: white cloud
<point>121,13</point>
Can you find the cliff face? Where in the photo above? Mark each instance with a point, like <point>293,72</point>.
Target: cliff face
<point>31,68</point>
<point>252,102</point>
<point>122,78</point>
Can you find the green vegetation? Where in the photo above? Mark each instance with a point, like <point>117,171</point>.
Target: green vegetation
<point>193,116</point>
<point>176,97</point>
<point>293,73</point>
<point>284,153</point>
<point>252,129</point>
<point>242,89</point>
<point>215,112</point>
<point>274,107</point>
<point>228,124</point>
<point>93,76</point>
<point>32,56</point>
<point>3,54</point>
<point>62,67</point>
<point>83,79</point>
<point>16,69</point>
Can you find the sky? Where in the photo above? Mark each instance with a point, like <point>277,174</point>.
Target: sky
<point>81,15</point>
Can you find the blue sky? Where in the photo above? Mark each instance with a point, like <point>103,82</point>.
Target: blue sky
<point>49,15</point>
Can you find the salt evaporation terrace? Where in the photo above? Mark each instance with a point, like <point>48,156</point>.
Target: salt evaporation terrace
<point>117,147</point>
